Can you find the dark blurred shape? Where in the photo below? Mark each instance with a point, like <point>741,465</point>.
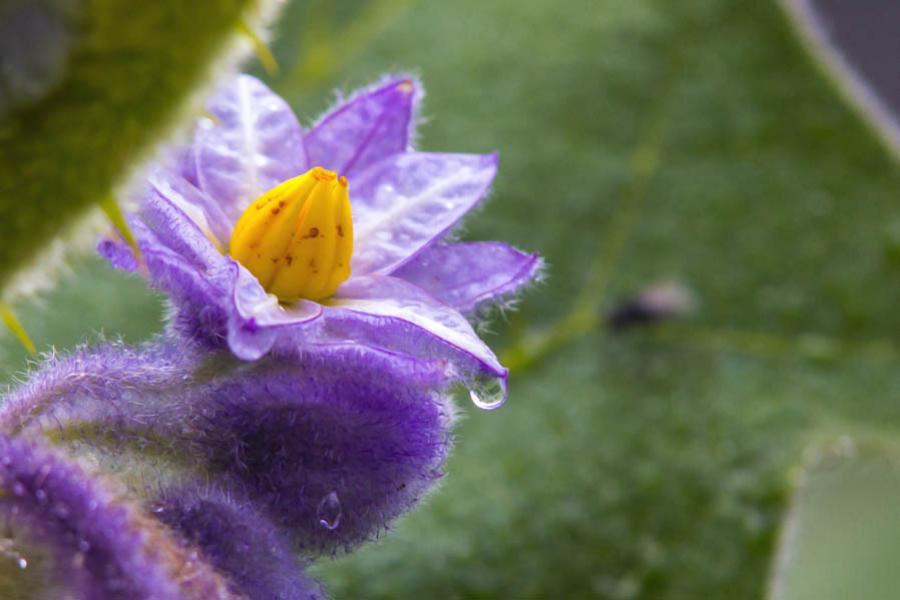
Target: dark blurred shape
<point>655,303</point>
<point>34,45</point>
<point>867,33</point>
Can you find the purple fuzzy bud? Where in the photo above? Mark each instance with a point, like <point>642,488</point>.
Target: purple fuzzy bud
<point>239,542</point>
<point>334,449</point>
<point>97,546</point>
<point>331,446</point>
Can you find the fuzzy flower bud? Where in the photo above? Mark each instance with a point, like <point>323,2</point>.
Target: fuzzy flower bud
<point>297,238</point>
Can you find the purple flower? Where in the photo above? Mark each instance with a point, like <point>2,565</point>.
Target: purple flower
<point>409,290</point>
<point>300,401</point>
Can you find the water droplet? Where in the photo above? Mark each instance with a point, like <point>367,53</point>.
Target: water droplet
<point>488,393</point>
<point>329,512</point>
<point>8,549</point>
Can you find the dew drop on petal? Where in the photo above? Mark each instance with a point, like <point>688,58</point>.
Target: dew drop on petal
<point>329,512</point>
<point>488,393</point>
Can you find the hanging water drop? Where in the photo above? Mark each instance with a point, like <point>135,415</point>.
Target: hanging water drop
<point>23,564</point>
<point>488,393</point>
<point>329,512</point>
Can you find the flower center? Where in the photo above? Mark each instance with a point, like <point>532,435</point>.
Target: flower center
<point>297,238</point>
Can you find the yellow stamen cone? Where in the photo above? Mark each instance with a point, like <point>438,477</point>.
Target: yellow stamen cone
<point>297,238</point>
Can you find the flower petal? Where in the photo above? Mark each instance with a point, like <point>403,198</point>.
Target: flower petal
<point>404,203</point>
<point>369,127</point>
<point>185,263</point>
<point>256,144</point>
<point>205,212</point>
<point>465,275</point>
<point>258,317</point>
<point>389,313</point>
<point>164,223</point>
<point>118,253</point>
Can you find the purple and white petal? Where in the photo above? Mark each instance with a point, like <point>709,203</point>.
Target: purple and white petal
<point>255,144</point>
<point>466,275</point>
<point>205,212</point>
<point>258,317</point>
<point>389,313</point>
<point>406,202</point>
<point>365,129</point>
<point>172,227</point>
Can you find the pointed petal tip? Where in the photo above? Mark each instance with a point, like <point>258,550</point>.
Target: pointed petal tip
<point>405,84</point>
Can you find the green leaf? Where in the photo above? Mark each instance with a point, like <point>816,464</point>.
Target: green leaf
<point>111,77</point>
<point>640,140</point>
<point>840,537</point>
<point>643,140</point>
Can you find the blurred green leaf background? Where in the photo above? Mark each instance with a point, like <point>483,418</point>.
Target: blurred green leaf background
<point>640,140</point>
<point>86,88</point>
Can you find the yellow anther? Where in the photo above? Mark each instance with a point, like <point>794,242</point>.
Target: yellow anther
<point>297,238</point>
